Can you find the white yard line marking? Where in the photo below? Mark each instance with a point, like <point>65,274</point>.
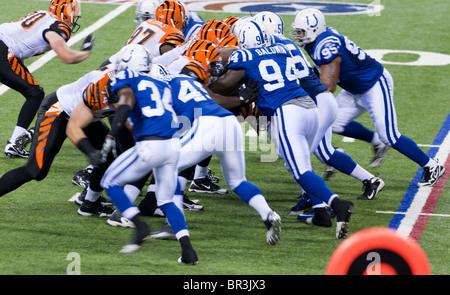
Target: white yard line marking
<point>404,213</point>
<point>78,37</point>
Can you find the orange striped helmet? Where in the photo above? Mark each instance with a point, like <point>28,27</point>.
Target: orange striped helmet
<point>206,53</point>
<point>230,20</point>
<point>174,39</point>
<point>68,11</point>
<point>229,42</point>
<point>214,30</point>
<point>196,70</point>
<point>99,98</point>
<point>173,13</point>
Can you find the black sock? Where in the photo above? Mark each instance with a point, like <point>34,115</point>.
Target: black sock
<point>185,242</point>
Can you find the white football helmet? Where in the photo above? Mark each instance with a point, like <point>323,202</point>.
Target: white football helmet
<point>159,71</point>
<point>254,34</point>
<point>145,10</point>
<point>308,24</point>
<point>134,57</point>
<point>273,22</point>
<point>236,28</point>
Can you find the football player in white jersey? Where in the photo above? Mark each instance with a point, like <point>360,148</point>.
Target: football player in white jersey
<point>157,37</point>
<point>366,86</point>
<point>83,104</point>
<point>32,35</point>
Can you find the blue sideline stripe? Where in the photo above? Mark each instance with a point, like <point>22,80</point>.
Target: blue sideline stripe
<point>413,188</point>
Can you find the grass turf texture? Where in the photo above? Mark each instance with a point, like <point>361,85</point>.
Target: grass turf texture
<point>39,227</point>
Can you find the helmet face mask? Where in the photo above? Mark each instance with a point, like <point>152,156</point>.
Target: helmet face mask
<point>68,11</point>
<point>308,24</point>
<point>134,57</point>
<point>253,35</point>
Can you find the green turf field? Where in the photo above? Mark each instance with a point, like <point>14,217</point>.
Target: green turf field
<point>39,228</point>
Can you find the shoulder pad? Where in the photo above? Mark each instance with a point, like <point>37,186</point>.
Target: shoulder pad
<point>62,29</point>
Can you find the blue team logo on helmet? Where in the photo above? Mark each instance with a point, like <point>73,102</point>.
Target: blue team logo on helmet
<point>283,6</point>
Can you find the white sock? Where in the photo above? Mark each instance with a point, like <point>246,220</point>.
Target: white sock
<point>92,196</point>
<point>200,172</point>
<point>259,203</point>
<point>431,163</point>
<point>132,192</point>
<point>16,133</point>
<point>361,173</point>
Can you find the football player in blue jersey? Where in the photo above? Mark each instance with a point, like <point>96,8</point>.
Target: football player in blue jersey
<point>354,129</point>
<point>327,107</point>
<point>293,114</point>
<point>194,24</point>
<point>146,101</point>
<point>366,86</point>
<point>209,129</point>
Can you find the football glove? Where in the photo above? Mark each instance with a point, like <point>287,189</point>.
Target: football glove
<point>248,93</point>
<point>95,158</point>
<point>88,43</point>
<point>109,146</point>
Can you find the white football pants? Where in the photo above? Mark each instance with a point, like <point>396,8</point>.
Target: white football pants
<point>378,101</point>
<point>293,130</point>
<point>220,136</point>
<point>161,156</point>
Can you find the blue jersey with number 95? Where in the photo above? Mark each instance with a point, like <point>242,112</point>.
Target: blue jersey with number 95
<point>152,113</point>
<point>358,71</point>
<point>275,69</point>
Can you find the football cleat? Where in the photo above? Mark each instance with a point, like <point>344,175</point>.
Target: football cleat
<point>343,210</point>
<point>89,208</point>
<point>116,219</point>
<point>191,205</point>
<point>212,177</point>
<point>142,233</point>
<point>81,196</point>
<point>302,206</point>
<point>329,172</point>
<point>320,217</point>
<point>165,233</point>
<point>188,256</point>
<point>148,206</point>
<point>273,226</point>
<point>24,139</point>
<point>12,151</point>
<point>204,185</point>
<point>380,154</point>
<point>82,178</point>
<point>371,188</point>
<point>431,175</point>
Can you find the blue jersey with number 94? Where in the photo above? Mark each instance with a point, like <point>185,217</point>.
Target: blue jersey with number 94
<point>275,69</point>
<point>152,114</point>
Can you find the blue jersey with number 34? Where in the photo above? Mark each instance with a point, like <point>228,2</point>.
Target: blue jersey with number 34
<point>152,114</point>
<point>273,67</point>
<point>358,71</point>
